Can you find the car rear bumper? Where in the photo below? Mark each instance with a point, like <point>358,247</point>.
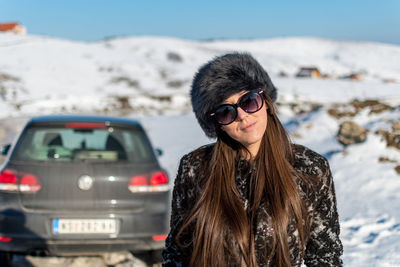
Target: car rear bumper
<point>30,233</point>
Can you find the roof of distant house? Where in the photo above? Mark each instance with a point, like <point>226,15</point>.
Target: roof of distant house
<point>8,26</point>
<point>308,68</point>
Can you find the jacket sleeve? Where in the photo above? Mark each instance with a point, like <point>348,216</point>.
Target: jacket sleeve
<point>324,247</point>
<point>173,254</point>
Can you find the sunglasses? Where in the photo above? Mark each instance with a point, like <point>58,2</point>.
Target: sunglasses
<point>227,113</point>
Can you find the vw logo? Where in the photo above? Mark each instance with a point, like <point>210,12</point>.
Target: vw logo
<point>85,182</point>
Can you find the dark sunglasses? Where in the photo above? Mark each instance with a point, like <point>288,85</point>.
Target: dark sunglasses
<point>250,103</point>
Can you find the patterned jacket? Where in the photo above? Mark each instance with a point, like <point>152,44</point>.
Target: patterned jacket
<point>323,247</point>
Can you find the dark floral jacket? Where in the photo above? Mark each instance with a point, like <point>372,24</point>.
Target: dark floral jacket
<point>323,247</point>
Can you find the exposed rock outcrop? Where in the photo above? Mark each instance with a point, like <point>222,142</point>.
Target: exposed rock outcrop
<point>351,133</point>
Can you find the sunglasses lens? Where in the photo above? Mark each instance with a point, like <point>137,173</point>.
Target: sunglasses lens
<point>225,114</point>
<point>251,102</point>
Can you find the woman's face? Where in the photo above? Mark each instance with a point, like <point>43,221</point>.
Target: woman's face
<point>248,128</point>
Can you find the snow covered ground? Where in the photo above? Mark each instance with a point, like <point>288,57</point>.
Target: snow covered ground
<point>148,78</point>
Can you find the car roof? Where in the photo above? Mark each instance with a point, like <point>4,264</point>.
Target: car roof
<point>83,118</point>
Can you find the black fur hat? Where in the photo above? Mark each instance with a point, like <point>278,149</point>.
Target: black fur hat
<point>221,78</point>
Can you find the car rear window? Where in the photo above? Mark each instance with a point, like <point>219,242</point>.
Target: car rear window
<point>44,143</point>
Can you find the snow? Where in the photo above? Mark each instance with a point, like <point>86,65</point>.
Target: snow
<point>54,76</point>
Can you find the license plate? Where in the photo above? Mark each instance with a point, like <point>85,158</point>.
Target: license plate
<point>84,226</point>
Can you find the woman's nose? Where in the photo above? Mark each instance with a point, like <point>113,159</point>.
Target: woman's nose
<point>241,113</point>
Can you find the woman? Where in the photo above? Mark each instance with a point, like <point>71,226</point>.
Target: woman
<point>252,198</point>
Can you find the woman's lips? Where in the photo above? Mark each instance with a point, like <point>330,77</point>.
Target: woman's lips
<point>248,127</point>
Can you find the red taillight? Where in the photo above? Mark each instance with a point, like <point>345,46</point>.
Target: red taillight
<point>153,182</point>
<point>12,181</point>
<point>159,237</point>
<point>8,181</point>
<point>5,239</point>
<point>138,181</point>
<point>159,178</point>
<point>85,125</point>
<point>29,184</point>
<point>8,177</point>
<point>138,184</point>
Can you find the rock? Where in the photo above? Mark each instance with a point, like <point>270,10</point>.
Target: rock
<point>374,105</point>
<point>283,74</point>
<point>396,126</point>
<point>87,261</point>
<point>354,107</point>
<point>53,261</point>
<point>123,102</point>
<point>342,110</point>
<point>386,159</point>
<point>304,107</point>
<point>126,80</point>
<point>175,83</point>
<point>397,169</point>
<point>381,132</point>
<point>393,140</point>
<point>351,133</point>
<point>296,135</point>
<point>175,57</point>
<point>336,113</point>
<point>309,126</point>
<point>115,258</point>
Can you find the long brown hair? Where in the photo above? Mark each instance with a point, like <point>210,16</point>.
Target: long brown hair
<point>220,210</point>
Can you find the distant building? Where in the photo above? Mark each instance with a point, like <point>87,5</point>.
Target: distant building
<point>356,77</point>
<point>353,76</point>
<point>309,72</point>
<point>14,27</point>
<point>389,80</point>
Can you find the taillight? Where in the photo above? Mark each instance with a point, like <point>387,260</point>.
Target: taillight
<point>5,239</point>
<point>29,184</point>
<point>138,184</point>
<point>138,181</point>
<point>159,237</point>
<point>12,181</point>
<point>8,181</point>
<point>153,182</point>
<point>159,178</point>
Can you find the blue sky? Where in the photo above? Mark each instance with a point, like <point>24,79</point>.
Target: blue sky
<point>89,20</point>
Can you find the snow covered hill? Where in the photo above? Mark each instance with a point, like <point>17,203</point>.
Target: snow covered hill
<point>149,78</point>
<point>153,74</point>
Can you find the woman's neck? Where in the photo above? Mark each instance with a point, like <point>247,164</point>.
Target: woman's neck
<point>250,152</point>
<point>247,154</point>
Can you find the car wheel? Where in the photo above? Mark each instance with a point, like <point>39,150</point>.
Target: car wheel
<point>150,258</point>
<point>5,258</point>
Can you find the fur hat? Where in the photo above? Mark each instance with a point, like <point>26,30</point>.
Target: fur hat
<point>221,78</point>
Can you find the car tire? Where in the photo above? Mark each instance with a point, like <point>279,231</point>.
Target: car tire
<point>6,259</point>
